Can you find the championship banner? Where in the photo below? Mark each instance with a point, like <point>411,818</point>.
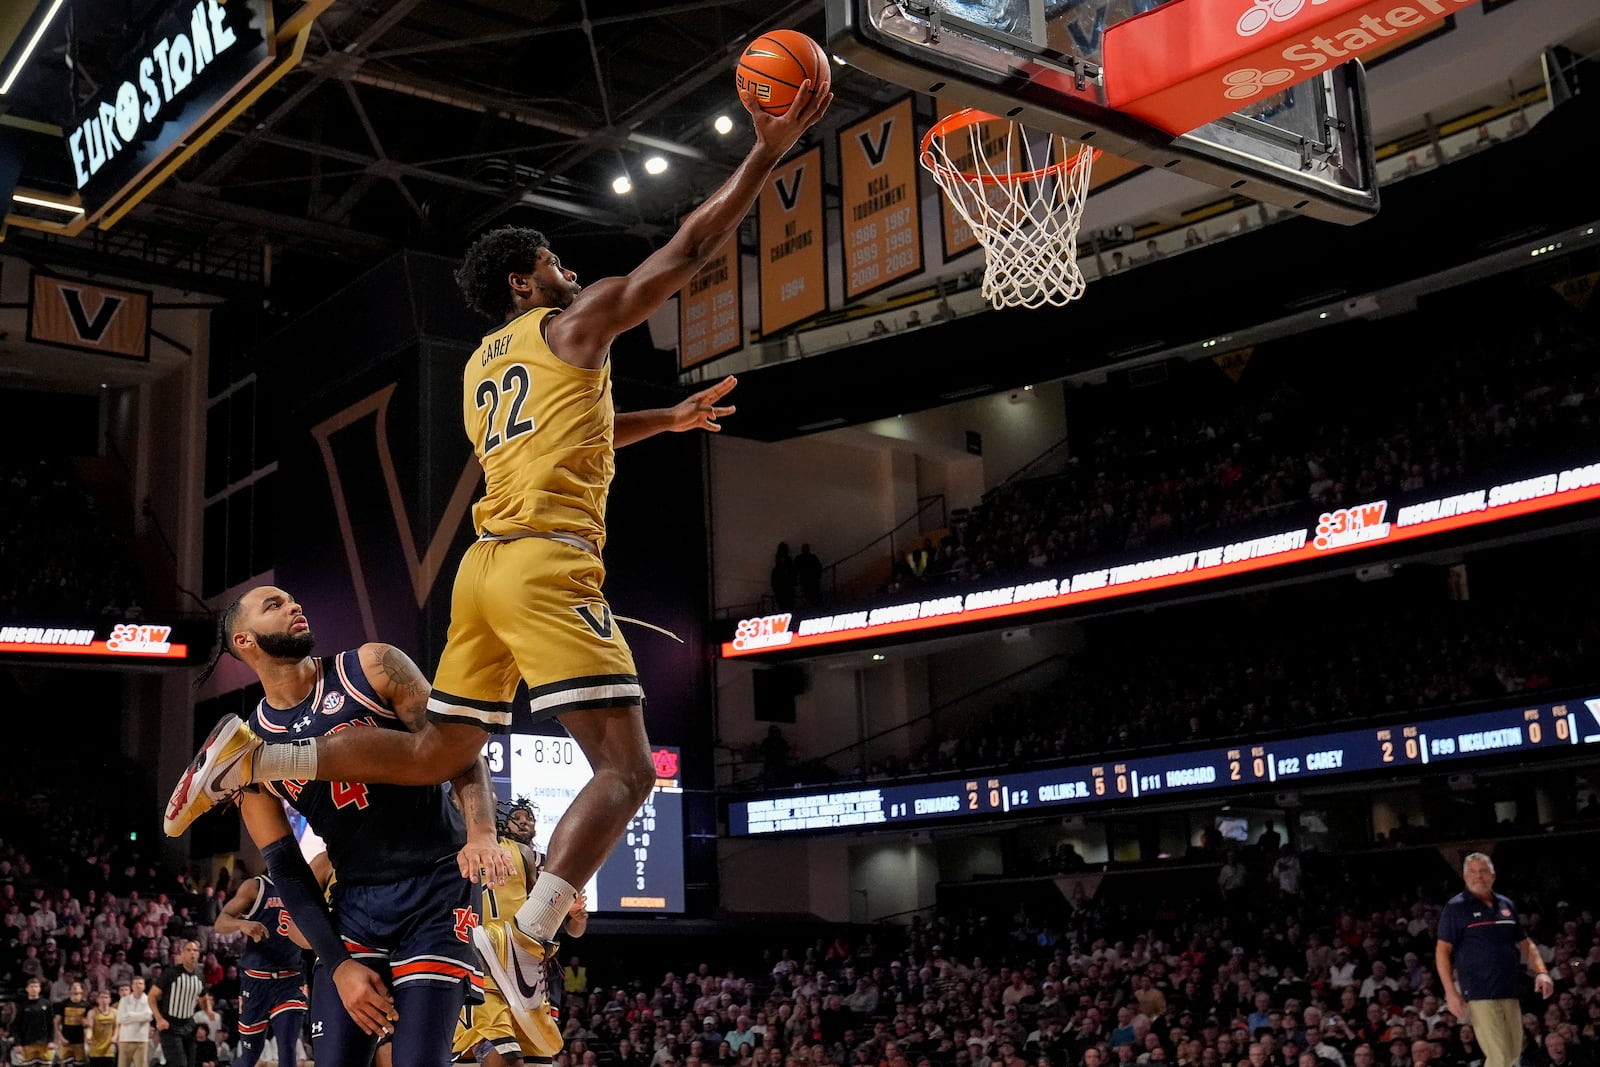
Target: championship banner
<point>794,274</point>
<point>192,61</point>
<point>103,319</point>
<point>1180,66</point>
<point>880,218</point>
<point>710,313</point>
<point>957,235</point>
<point>1356,527</point>
<point>1577,291</point>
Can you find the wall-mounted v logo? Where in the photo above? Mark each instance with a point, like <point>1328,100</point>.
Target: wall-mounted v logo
<point>424,569</point>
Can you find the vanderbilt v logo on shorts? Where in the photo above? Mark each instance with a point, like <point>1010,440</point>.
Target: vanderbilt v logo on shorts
<point>598,618</point>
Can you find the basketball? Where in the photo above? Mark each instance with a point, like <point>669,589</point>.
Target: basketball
<point>774,64</point>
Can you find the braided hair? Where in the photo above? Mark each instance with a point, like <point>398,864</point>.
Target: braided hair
<point>504,810</point>
<point>225,632</point>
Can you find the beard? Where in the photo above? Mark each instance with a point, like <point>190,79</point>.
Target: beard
<point>286,646</point>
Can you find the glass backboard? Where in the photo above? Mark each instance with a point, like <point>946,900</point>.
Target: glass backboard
<point>1307,147</point>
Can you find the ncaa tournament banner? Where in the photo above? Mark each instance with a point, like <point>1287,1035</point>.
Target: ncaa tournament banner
<point>880,215</point>
<point>710,312</point>
<point>794,277</point>
<point>957,235</point>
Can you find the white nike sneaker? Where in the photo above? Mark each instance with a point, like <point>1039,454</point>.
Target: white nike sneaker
<point>220,769</point>
<point>516,962</point>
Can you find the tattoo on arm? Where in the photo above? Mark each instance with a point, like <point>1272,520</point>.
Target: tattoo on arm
<point>407,689</point>
<point>474,794</point>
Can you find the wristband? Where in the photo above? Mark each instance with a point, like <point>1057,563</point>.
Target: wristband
<point>292,878</point>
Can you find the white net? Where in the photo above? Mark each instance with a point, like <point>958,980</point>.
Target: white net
<point>1023,197</point>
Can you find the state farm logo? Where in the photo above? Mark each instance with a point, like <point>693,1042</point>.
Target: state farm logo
<point>1264,12</point>
<point>1246,82</point>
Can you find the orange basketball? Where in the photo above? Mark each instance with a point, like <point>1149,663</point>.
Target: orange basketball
<point>774,64</point>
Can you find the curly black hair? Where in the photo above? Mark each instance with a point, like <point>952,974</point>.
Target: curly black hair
<point>482,274</point>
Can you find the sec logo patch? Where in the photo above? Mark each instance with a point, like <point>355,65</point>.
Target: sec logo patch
<point>332,702</point>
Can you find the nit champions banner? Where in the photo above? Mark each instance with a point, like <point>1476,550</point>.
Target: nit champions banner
<point>880,221</point>
<point>794,275</point>
<point>710,312</point>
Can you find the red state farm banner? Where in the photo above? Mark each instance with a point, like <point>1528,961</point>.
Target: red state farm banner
<point>1184,64</point>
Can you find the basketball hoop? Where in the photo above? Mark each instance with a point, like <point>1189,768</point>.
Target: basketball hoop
<point>1024,207</point>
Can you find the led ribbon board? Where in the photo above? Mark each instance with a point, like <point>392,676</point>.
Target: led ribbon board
<point>118,641</point>
<point>1508,734</point>
<point>1347,529</point>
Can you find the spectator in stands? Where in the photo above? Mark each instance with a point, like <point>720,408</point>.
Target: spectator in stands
<point>808,574</point>
<point>783,577</point>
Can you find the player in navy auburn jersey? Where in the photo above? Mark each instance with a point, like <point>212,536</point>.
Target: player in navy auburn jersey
<point>397,950</point>
<point>272,985</point>
<point>528,605</point>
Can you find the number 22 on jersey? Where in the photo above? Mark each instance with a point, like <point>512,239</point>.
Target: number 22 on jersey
<point>515,384</point>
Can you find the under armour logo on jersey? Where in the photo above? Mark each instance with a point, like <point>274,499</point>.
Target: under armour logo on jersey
<point>598,618</point>
<point>301,724</point>
<point>316,1029</point>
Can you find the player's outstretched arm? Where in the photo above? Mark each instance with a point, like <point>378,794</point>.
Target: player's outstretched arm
<point>582,334</point>
<point>233,921</point>
<point>698,411</point>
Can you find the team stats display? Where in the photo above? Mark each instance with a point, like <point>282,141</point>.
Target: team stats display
<point>644,873</point>
<point>1509,734</point>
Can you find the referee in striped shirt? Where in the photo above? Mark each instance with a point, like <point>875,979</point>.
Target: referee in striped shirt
<point>173,1000</point>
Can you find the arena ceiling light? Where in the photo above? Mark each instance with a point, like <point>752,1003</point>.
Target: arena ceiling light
<point>21,61</point>
<point>723,125</point>
<point>655,165</point>
<point>622,185</point>
<point>54,205</point>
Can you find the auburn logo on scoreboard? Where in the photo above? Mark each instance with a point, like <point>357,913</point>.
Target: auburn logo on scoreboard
<point>71,313</point>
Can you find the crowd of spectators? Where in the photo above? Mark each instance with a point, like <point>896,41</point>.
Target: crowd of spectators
<point>83,906</point>
<point>1335,970</point>
<point>1198,458</point>
<point>60,556</point>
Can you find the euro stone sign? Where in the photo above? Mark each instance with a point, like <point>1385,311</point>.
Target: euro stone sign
<point>1336,530</point>
<point>197,55</point>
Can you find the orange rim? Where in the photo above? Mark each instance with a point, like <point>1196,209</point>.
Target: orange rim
<point>971,116</point>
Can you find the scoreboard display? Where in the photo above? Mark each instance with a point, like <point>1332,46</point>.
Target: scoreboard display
<point>1507,734</point>
<point>644,873</point>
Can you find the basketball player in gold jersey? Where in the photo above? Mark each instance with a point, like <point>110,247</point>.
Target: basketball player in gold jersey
<point>505,1031</point>
<point>527,603</point>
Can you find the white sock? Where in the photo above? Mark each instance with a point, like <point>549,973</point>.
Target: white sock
<point>294,761</point>
<point>548,903</point>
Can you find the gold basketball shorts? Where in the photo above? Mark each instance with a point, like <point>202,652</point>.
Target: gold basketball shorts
<point>530,609</point>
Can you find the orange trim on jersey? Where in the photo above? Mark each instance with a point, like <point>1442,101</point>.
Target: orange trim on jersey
<point>453,970</point>
<point>357,695</point>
